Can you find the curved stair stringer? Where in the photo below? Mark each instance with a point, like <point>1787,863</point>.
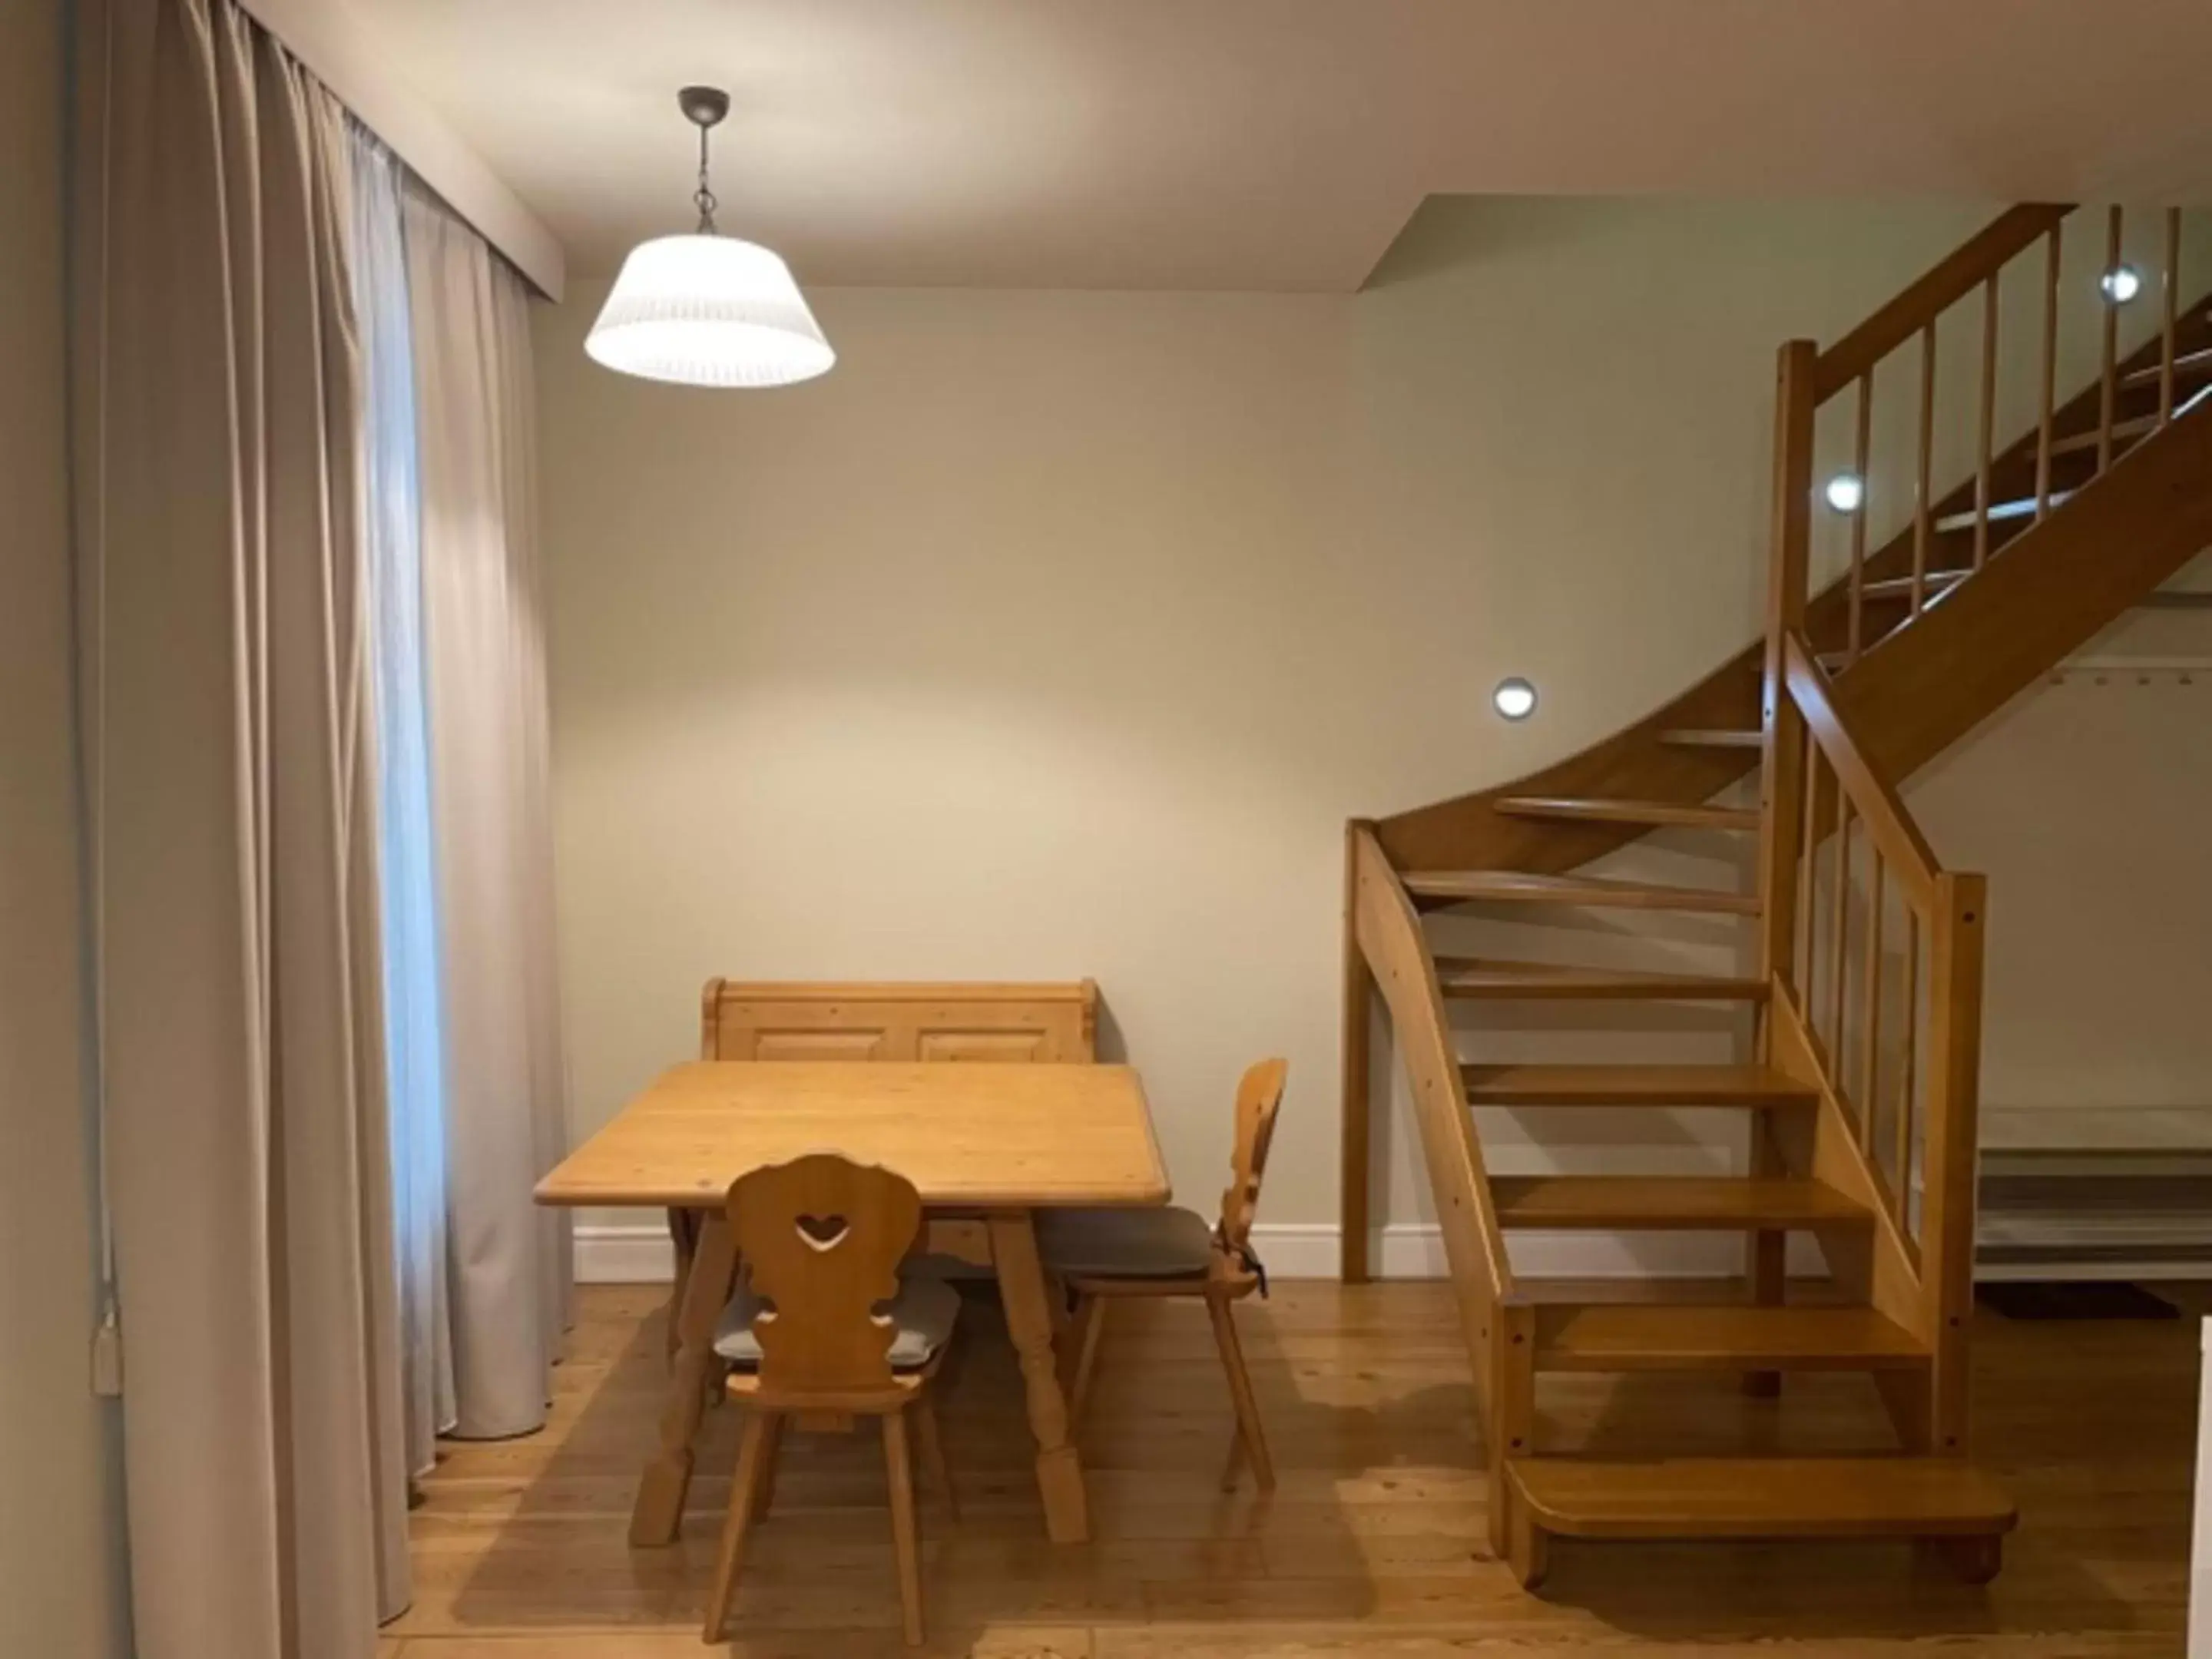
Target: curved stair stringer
<point>1385,936</point>
<point>2051,593</point>
<point>1467,832</point>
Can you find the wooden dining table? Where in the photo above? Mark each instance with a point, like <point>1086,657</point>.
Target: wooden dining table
<point>987,1143</point>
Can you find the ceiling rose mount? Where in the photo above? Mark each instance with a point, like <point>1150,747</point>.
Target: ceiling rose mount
<point>703,106</point>
<point>707,309</point>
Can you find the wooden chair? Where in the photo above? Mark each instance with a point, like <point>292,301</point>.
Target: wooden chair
<point>1104,1256</point>
<point>823,1330</point>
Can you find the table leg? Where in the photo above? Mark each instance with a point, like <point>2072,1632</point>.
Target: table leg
<point>1029,1319</point>
<point>659,1508</point>
<point>683,1236</point>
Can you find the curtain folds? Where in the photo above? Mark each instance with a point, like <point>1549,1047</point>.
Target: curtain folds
<point>503,1078</point>
<point>314,663</point>
<point>234,844</point>
<point>412,979</point>
<point>484,650</point>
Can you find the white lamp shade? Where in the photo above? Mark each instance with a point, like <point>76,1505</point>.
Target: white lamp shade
<point>708,311</point>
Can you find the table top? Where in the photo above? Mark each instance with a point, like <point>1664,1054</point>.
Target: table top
<point>989,1136</point>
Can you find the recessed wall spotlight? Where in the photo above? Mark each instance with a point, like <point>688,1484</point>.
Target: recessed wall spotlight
<point>1845,492</point>
<point>1515,699</point>
<point>2121,283</point>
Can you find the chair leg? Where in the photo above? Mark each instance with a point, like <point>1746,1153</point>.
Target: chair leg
<point>1240,1392</point>
<point>900,1467</point>
<point>1090,1325</point>
<point>932,1437</point>
<point>743,1491</point>
<point>771,1454</point>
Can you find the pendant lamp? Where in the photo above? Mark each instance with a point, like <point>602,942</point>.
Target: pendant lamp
<point>707,309</point>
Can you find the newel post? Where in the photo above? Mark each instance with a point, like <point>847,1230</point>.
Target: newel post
<point>1782,780</point>
<point>1782,789</point>
<point>1357,1126</point>
<point>1949,1166</point>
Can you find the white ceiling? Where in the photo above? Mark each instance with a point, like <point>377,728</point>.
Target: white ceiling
<point>1279,143</point>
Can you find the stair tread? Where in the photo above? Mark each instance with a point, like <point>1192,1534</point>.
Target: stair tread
<point>1715,737</point>
<point>1631,1085</point>
<point>1519,886</point>
<point>1761,1498</point>
<point>1663,813</point>
<point>2075,443</point>
<point>1471,976</point>
<point>1670,1203</point>
<point>1748,1337</point>
<point>2000,512</point>
<point>1933,581</point>
<point>2189,362</point>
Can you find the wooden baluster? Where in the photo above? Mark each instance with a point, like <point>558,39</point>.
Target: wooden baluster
<point>2166,321</point>
<point>1923,501</point>
<point>2049,403</point>
<point>1986,448</point>
<point>1870,1033</point>
<point>1788,556</point>
<point>2108,385</point>
<point>1807,889</point>
<point>1908,1076</point>
<point>1861,447</point>
<point>1839,946</point>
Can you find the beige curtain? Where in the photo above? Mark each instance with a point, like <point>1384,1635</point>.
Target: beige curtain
<point>221,518</point>
<point>484,650</point>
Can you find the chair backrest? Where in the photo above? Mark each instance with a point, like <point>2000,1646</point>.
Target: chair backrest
<point>821,1239</point>
<point>1259,1097</point>
<point>899,1022</point>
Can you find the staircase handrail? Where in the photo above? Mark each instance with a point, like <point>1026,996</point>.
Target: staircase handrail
<point>1951,279</point>
<point>1870,795</point>
<point>1900,1104</point>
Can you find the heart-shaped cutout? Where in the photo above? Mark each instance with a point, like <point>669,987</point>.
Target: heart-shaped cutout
<point>824,1232</point>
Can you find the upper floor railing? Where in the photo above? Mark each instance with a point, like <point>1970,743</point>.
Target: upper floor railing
<point>1941,426</point>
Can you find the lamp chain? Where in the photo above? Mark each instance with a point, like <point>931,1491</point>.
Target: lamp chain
<point>703,197</point>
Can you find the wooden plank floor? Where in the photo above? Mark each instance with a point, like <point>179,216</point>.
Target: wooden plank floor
<point>1373,1545</point>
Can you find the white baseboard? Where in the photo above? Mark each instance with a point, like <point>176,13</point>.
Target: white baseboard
<point>641,1253</point>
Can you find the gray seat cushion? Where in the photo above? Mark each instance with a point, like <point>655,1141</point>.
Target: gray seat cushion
<point>923,1312</point>
<point>1126,1243</point>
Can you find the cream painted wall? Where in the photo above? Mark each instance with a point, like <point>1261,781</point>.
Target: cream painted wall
<point>2084,803</point>
<point>1057,633</point>
<point>58,1586</point>
<point>1030,643</point>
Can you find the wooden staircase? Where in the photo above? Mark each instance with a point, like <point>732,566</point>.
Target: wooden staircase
<point>1860,959</point>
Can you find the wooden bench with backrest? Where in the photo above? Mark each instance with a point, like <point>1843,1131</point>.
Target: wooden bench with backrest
<point>951,1021</point>
<point>899,1022</point>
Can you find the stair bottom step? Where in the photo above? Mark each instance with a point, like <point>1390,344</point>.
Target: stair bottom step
<point>1655,1337</point>
<point>1761,1498</point>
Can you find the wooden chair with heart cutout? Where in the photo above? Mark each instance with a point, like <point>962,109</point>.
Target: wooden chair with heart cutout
<point>823,1330</point>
